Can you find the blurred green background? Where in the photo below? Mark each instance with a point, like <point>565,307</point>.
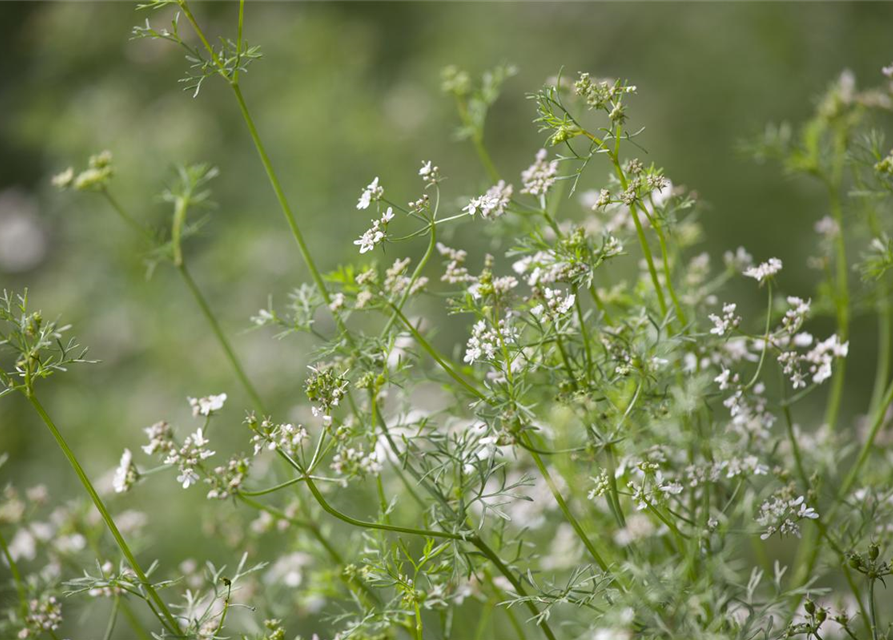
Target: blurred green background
<point>345,92</point>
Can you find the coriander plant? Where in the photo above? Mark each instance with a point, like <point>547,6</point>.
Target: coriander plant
<point>615,450</point>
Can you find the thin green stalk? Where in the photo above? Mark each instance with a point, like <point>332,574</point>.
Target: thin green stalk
<point>612,484</point>
<point>842,300</point>
<point>680,313</point>
<point>16,576</point>
<point>850,479</point>
<point>124,215</point>
<point>110,628</point>
<point>426,533</point>
<point>484,548</point>
<point>640,232</point>
<point>432,243</point>
<point>267,164</point>
<point>134,622</point>
<point>165,615</point>
<point>544,471</point>
<point>485,157</point>
<point>600,304</point>
<point>584,335</point>
<point>180,210</point>
<point>283,201</point>
<point>473,539</point>
<point>221,338</point>
<point>882,370</point>
<point>435,356</point>
<point>876,424</point>
<point>872,611</point>
<point>418,622</point>
<point>567,363</point>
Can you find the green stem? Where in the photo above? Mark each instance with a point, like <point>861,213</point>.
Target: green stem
<point>134,622</point>
<point>180,210</point>
<point>283,202</point>
<point>680,313</point>
<point>871,609</point>
<point>166,617</point>
<point>112,619</point>
<point>427,533</point>
<point>842,300</point>
<point>16,576</point>
<point>882,371</point>
<point>564,507</point>
<point>853,475</point>
<point>221,338</point>
<point>432,243</point>
<point>485,157</point>
<point>128,219</point>
<point>435,356</point>
<point>484,548</point>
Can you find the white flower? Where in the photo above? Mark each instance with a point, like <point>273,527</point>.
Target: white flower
<point>723,379</point>
<point>554,305</point>
<point>207,405</point>
<point>493,203</point>
<point>125,474</point>
<point>188,457</point>
<point>187,477</point>
<point>376,233</point>
<point>827,227</point>
<point>373,192</point>
<point>484,342</point>
<point>728,321</point>
<point>780,514</point>
<point>794,317</point>
<point>370,237</point>
<point>888,71</point>
<point>429,173</point>
<point>337,301</point>
<point>539,176</point>
<point>739,260</point>
<point>765,270</point>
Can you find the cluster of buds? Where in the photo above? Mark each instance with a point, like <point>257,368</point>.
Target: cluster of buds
<point>325,388</point>
<point>870,564</point>
<point>95,177</point>
<point>815,618</point>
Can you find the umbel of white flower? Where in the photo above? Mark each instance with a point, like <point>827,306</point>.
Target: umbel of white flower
<point>765,270</point>
<point>539,176</point>
<point>207,405</point>
<point>373,192</point>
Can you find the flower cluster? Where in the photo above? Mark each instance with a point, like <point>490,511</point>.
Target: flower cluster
<point>485,341</point>
<point>539,177</point>
<point>764,270</point>
<point>493,203</point>
<point>207,405</point>
<point>375,235</point>
<point>373,193</point>
<point>227,480</point>
<point>354,462</point>
<point>43,615</point>
<point>287,437</point>
<point>781,514</point>
<point>554,306</point>
<point>188,457</point>
<point>95,177</point>
<point>726,322</point>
